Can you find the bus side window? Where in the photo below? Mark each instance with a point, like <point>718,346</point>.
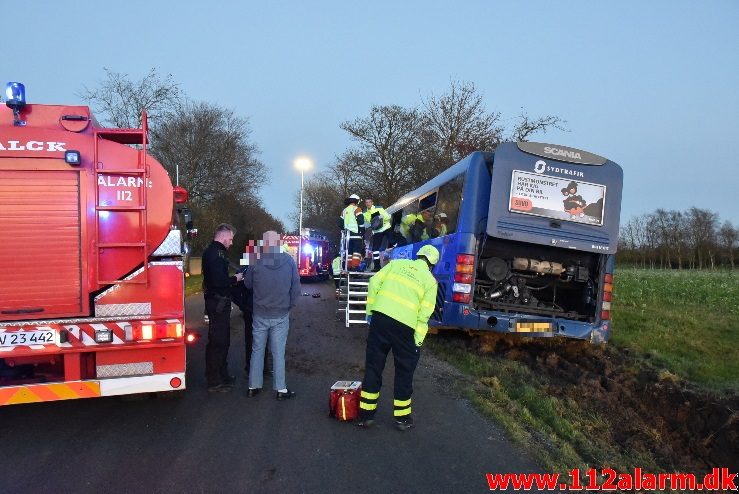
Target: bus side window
<point>449,200</point>
<point>407,220</point>
<point>398,239</point>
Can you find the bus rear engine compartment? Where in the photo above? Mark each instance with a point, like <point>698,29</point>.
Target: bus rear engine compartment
<point>537,281</point>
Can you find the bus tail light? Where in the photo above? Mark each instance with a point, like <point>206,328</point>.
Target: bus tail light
<point>463,279</point>
<point>605,313</point>
<point>462,288</point>
<point>608,283</point>
<point>465,259</point>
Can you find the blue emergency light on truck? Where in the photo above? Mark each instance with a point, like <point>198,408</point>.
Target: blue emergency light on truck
<point>527,236</point>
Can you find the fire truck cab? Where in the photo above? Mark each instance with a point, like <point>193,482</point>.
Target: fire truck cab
<point>311,252</point>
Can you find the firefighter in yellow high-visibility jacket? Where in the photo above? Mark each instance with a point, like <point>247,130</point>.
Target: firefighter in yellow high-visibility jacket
<point>400,300</point>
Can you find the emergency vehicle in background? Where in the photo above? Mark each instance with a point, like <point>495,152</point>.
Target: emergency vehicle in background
<point>91,262</point>
<point>315,255</point>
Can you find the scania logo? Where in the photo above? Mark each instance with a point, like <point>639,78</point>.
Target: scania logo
<point>49,146</point>
<point>540,166</point>
<point>562,152</point>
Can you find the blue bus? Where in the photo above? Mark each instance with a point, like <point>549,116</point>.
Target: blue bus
<point>527,235</point>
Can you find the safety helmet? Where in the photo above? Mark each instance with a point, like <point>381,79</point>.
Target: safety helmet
<point>354,196</point>
<point>430,252</point>
<point>441,216</point>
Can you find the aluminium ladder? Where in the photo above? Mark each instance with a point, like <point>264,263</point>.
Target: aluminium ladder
<point>353,286</point>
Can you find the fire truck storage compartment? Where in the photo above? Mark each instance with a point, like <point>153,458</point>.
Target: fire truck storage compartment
<point>538,280</point>
<point>40,222</point>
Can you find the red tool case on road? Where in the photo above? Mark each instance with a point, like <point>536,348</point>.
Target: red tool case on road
<point>343,402</point>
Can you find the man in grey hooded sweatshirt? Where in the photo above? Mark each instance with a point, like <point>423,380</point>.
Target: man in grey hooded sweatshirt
<point>276,285</point>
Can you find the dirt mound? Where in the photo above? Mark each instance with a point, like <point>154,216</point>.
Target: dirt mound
<point>648,410</point>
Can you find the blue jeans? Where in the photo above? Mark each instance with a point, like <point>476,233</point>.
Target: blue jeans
<point>276,328</point>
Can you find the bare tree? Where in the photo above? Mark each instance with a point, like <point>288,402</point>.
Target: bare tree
<point>670,232</point>
<point>634,234</point>
<point>121,100</point>
<point>729,236</point>
<point>212,151</point>
<point>702,226</point>
<point>526,126</point>
<point>458,123</point>
<point>322,204</point>
<point>397,149</point>
<point>389,146</point>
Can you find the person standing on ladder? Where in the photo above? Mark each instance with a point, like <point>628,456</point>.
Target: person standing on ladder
<point>352,221</point>
<point>336,271</point>
<point>400,300</point>
<point>378,221</point>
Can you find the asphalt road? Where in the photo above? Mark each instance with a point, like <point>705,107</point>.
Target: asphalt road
<point>218,442</point>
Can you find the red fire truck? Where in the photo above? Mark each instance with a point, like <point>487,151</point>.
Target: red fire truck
<point>91,266</point>
<point>315,254</point>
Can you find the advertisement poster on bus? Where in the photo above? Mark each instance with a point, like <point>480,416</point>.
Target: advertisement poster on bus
<point>557,198</point>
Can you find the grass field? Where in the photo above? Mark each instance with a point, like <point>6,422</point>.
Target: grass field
<point>684,321</point>
<point>554,396</point>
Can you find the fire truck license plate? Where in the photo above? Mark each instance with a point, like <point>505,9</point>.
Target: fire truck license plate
<point>27,338</point>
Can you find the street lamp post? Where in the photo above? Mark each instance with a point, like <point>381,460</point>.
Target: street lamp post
<point>301,164</point>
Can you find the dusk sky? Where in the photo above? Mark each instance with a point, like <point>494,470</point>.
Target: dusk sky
<point>654,86</point>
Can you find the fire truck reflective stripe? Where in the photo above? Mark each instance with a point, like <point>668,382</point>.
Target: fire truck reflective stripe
<point>74,331</point>
<point>80,336</point>
<point>49,392</point>
<point>88,340</point>
<point>143,384</point>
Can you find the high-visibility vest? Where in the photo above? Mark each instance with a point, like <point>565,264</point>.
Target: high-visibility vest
<point>406,291</point>
<point>336,266</point>
<point>406,224</point>
<point>349,216</point>
<point>383,214</point>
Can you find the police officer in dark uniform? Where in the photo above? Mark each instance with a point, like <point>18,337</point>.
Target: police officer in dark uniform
<point>217,286</point>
